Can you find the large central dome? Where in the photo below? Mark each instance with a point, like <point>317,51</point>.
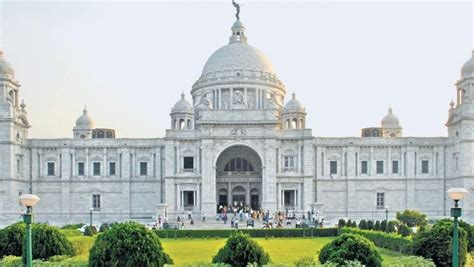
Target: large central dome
<point>238,55</point>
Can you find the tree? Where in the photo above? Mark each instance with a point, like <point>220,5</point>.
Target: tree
<point>392,226</point>
<point>354,224</point>
<point>377,225</point>
<point>383,225</point>
<point>349,223</point>
<point>436,244</point>
<point>404,230</point>
<point>363,224</point>
<point>350,247</point>
<point>47,241</point>
<point>240,251</point>
<point>370,225</point>
<point>412,218</point>
<point>130,244</point>
<point>90,230</point>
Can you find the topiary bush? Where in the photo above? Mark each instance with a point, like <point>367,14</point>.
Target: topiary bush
<point>382,239</point>
<point>341,223</point>
<point>370,225</point>
<point>377,226</point>
<point>351,247</point>
<point>404,230</point>
<point>240,250</point>
<point>90,230</point>
<point>363,224</point>
<point>436,244</point>
<point>130,244</point>
<point>47,241</point>
<point>75,226</point>
<point>392,226</point>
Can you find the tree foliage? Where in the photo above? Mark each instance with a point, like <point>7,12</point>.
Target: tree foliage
<point>351,247</point>
<point>436,244</point>
<point>128,244</point>
<point>240,251</point>
<point>363,224</point>
<point>412,218</point>
<point>90,230</point>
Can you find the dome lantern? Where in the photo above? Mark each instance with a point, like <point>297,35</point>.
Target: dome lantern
<point>391,125</point>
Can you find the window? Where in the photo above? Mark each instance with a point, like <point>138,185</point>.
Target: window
<point>395,166</point>
<point>333,167</point>
<point>112,168</point>
<point>380,200</point>
<point>18,166</point>
<point>50,168</point>
<point>96,168</point>
<point>379,166</point>
<point>80,168</point>
<point>289,163</point>
<point>143,168</point>
<point>425,166</point>
<point>238,165</point>
<point>188,199</point>
<point>96,202</point>
<point>289,198</point>
<point>188,163</point>
<point>364,167</point>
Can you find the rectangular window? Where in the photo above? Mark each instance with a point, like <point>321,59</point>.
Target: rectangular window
<point>188,163</point>
<point>333,167</point>
<point>395,167</point>
<point>188,199</point>
<point>289,163</point>
<point>289,198</point>
<point>380,200</point>
<point>96,168</point>
<point>18,166</point>
<point>50,168</point>
<point>379,166</point>
<point>143,168</point>
<point>96,202</point>
<point>112,168</point>
<point>364,167</point>
<point>80,168</point>
<point>425,165</point>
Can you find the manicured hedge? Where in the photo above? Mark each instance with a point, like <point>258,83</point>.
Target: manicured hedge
<point>381,239</point>
<point>225,233</point>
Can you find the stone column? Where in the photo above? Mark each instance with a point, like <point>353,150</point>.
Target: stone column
<point>209,179</point>
<point>269,175</point>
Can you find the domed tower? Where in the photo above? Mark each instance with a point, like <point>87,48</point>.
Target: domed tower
<point>239,77</point>
<point>84,126</point>
<point>294,114</point>
<point>391,125</point>
<point>182,115</point>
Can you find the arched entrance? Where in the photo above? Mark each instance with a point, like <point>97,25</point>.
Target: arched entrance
<point>239,177</point>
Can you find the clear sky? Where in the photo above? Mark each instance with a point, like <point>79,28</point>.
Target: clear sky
<point>129,61</point>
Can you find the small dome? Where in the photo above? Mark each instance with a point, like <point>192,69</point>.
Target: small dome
<point>467,69</point>
<point>294,105</point>
<point>390,121</point>
<point>5,68</point>
<point>85,122</point>
<point>182,105</point>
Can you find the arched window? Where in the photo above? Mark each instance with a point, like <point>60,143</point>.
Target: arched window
<point>189,124</point>
<point>287,124</point>
<point>175,124</point>
<point>100,134</point>
<point>375,133</point>
<point>109,134</point>
<point>238,165</point>
<point>182,124</point>
<point>367,133</point>
<point>294,124</point>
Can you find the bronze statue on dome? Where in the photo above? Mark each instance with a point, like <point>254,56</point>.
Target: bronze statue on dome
<point>237,7</point>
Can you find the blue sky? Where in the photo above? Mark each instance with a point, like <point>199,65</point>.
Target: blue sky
<point>129,61</point>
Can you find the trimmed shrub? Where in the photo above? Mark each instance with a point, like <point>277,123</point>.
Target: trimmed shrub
<point>11,261</point>
<point>377,226</point>
<point>404,230</point>
<point>436,244</point>
<point>240,250</point>
<point>354,224</point>
<point>383,225</point>
<point>469,233</point>
<point>47,241</point>
<point>225,233</point>
<point>351,247</point>
<point>104,227</point>
<point>412,218</point>
<point>392,226</point>
<point>363,224</point>
<point>370,225</point>
<point>349,223</point>
<point>129,244</point>
<point>75,226</point>
<point>90,230</point>
<point>381,239</point>
<point>341,223</point>
<point>70,232</point>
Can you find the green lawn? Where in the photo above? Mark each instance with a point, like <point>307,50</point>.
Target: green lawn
<point>281,250</point>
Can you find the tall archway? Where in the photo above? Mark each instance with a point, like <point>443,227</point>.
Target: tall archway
<point>239,177</point>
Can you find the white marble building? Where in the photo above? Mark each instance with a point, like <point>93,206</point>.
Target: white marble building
<point>235,141</point>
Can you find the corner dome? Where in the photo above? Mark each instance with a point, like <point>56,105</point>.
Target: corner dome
<point>6,68</point>
<point>182,105</point>
<point>85,122</point>
<point>467,69</point>
<point>390,121</point>
<point>294,105</point>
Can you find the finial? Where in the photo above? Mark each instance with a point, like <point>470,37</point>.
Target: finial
<point>390,109</point>
<point>23,105</point>
<point>451,104</point>
<point>293,96</point>
<point>237,8</point>
<point>182,95</point>
<point>85,109</point>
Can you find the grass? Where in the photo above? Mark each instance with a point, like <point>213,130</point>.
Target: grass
<point>281,250</point>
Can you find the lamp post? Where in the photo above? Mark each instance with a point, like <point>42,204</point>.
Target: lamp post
<point>90,216</point>
<point>29,201</point>
<point>386,218</point>
<point>456,194</point>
